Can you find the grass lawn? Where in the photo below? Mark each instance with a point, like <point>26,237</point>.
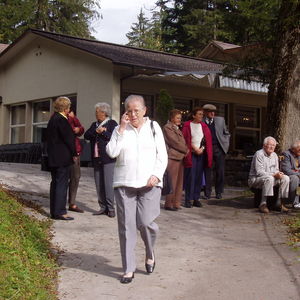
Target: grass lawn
<point>294,225</point>
<point>27,268</point>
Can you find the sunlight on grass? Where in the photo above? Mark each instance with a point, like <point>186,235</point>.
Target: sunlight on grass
<point>27,268</point>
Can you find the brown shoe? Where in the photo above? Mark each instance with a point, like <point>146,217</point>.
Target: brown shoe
<point>284,209</point>
<point>111,213</point>
<point>75,208</point>
<point>264,209</point>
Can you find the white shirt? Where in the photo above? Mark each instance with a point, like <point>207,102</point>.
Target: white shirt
<point>139,155</point>
<point>263,164</point>
<point>197,134</point>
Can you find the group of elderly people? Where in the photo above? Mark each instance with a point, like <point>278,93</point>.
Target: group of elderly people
<point>267,172</point>
<point>129,163</point>
<point>130,160</point>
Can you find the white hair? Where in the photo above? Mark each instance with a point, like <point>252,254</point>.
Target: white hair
<point>132,98</point>
<point>269,138</point>
<point>104,107</point>
<point>295,144</point>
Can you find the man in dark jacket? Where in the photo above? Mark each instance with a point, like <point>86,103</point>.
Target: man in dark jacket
<point>290,166</point>
<point>61,153</point>
<point>220,140</point>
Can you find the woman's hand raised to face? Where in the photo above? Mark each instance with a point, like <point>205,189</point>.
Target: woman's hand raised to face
<point>124,122</point>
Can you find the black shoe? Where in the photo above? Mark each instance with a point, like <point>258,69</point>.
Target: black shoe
<point>187,205</point>
<point>197,203</point>
<point>102,211</point>
<point>219,196</point>
<point>171,208</point>
<point>205,197</point>
<point>127,279</point>
<point>111,213</point>
<point>67,218</point>
<point>150,267</point>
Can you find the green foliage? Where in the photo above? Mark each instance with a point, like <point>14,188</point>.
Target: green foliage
<point>190,25</point>
<point>27,269</point>
<point>164,105</point>
<point>146,33</point>
<point>294,230</point>
<point>62,16</point>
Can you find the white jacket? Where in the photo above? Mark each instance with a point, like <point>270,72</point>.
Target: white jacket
<point>139,155</point>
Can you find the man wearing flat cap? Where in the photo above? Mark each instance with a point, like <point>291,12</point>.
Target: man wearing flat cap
<point>220,139</point>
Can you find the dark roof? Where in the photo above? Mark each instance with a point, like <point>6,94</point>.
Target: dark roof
<point>131,56</point>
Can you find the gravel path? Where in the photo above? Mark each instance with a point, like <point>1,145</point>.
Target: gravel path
<point>225,250</point>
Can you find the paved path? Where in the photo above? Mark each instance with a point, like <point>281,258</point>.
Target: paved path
<point>225,250</point>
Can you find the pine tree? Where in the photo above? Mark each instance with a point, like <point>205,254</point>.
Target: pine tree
<point>138,35</point>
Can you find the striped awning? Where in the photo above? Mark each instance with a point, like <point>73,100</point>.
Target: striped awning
<point>212,80</point>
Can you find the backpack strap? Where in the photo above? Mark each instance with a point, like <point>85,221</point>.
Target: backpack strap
<point>152,128</point>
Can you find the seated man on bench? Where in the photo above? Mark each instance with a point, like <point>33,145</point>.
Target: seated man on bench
<point>291,167</point>
<point>264,174</point>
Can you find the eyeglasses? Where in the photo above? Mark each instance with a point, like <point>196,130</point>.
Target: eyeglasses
<point>136,112</point>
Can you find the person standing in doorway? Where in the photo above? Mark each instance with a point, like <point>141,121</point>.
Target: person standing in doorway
<point>220,140</point>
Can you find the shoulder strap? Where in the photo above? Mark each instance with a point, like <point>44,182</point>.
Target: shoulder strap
<point>152,128</point>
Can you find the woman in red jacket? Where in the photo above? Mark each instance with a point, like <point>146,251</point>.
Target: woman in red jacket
<point>199,141</point>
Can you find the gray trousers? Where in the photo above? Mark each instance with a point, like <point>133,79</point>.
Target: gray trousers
<point>103,174</point>
<point>74,181</point>
<point>267,183</point>
<point>137,208</point>
<point>294,183</point>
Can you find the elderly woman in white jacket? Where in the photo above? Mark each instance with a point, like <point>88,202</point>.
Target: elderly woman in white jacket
<point>139,147</point>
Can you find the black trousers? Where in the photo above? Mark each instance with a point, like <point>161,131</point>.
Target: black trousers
<point>219,167</point>
<point>58,190</point>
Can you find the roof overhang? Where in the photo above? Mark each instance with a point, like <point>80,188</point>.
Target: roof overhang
<point>210,80</point>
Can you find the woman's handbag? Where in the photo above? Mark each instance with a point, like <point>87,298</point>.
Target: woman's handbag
<point>45,163</point>
<point>44,158</point>
<point>167,185</point>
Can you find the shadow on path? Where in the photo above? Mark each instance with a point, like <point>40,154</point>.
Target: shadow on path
<point>285,263</point>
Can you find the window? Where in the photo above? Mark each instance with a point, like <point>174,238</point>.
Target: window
<point>17,124</point>
<point>41,115</point>
<point>247,128</point>
<point>185,106</point>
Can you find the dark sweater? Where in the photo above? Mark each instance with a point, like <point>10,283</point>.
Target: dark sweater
<point>102,139</point>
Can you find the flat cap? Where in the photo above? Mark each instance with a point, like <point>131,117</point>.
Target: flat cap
<point>209,107</point>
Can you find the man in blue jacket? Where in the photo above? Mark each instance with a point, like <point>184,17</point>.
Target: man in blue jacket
<point>290,166</point>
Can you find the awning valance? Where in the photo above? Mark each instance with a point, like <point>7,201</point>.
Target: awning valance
<point>208,79</point>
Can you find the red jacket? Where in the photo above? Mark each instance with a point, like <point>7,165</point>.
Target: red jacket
<point>74,122</point>
<point>188,139</point>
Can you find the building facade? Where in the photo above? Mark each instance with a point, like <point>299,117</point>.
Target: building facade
<point>39,66</point>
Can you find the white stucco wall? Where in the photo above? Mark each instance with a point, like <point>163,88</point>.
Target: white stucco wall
<point>47,69</point>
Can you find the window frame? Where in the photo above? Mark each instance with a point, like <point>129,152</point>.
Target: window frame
<point>32,115</point>
<point>255,129</point>
<point>16,125</point>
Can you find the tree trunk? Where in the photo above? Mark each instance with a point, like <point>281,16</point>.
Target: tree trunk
<point>283,121</point>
